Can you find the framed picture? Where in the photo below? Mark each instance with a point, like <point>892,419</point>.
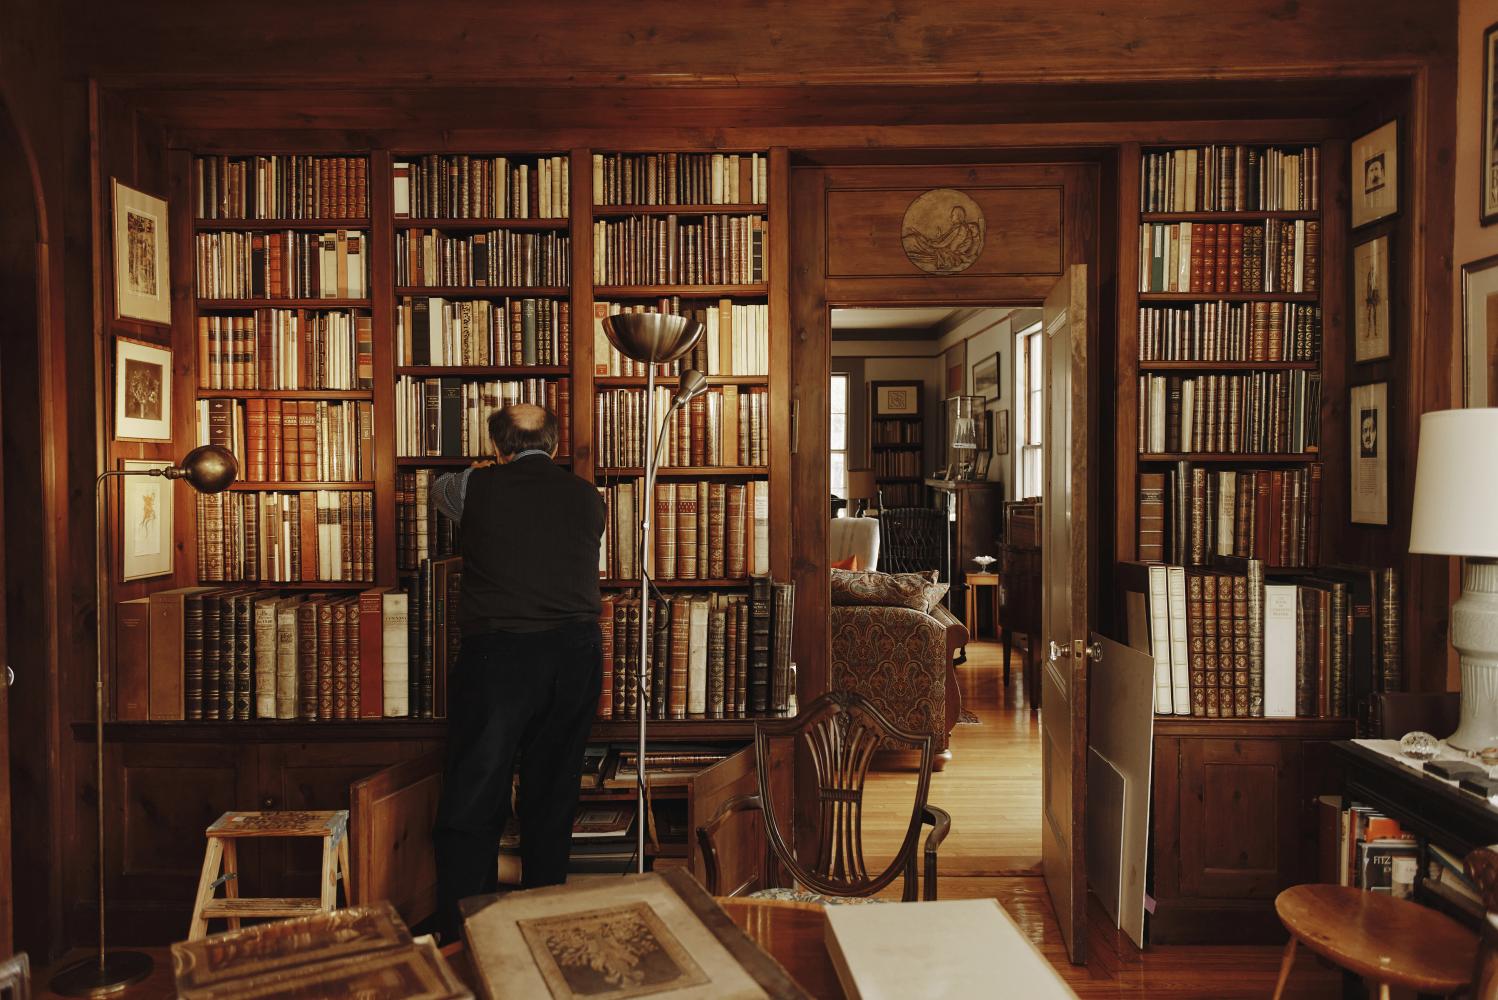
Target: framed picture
<point>142,391</point>
<point>1001,432</point>
<point>1480,332</point>
<point>980,469</point>
<point>1368,417</point>
<point>986,382</point>
<point>142,280</point>
<point>1370,314</point>
<point>1375,174</point>
<point>897,400</point>
<point>145,522</point>
<point>1487,203</point>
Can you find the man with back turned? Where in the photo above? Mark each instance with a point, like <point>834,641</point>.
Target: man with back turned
<point>528,674</point>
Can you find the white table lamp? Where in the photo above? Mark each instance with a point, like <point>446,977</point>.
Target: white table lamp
<point>1456,514</point>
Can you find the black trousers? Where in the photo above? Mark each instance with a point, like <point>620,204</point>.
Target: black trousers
<point>531,695</point>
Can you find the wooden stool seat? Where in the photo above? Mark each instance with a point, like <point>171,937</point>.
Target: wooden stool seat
<point>1393,942</point>
<point>221,867</point>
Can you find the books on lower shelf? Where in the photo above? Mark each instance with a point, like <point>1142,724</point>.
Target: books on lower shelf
<point>432,258</point>
<point>449,416</point>
<point>902,494</point>
<point>422,531</point>
<point>286,349</point>
<point>1252,413</point>
<point>725,426</point>
<point>1190,514</point>
<point>1230,331</point>
<point>665,250</point>
<point>460,186</point>
<point>1364,849</point>
<point>281,187</point>
<point>735,339</point>
<point>282,265</point>
<point>286,440</point>
<point>1231,178</point>
<point>1238,642</point>
<point>434,633</point>
<point>1270,256</point>
<point>905,464</point>
<point>705,530</point>
<point>680,178</point>
<point>311,536</point>
<point>430,330</point>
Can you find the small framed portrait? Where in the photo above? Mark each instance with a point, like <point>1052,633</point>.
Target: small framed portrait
<point>145,522</point>
<point>986,381</point>
<point>142,391</point>
<point>1375,174</point>
<point>1480,332</point>
<point>1001,432</point>
<point>142,278</point>
<point>897,400</point>
<point>1488,175</point>
<point>1368,417</point>
<point>980,466</point>
<point>1371,288</point>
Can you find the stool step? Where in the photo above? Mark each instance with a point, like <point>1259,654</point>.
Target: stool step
<point>329,823</point>
<point>267,907</point>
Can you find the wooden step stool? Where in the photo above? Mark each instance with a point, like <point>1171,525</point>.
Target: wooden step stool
<point>221,866</point>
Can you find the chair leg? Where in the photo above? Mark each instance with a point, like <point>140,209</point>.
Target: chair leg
<point>346,871</point>
<point>231,867</point>
<point>329,879</point>
<point>212,859</point>
<point>1285,965</point>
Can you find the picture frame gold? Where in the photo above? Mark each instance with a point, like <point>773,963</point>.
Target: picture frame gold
<point>142,258</point>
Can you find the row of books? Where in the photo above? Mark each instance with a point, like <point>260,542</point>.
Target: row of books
<point>237,654</point>
<point>449,417</point>
<point>1230,331</point>
<point>421,531</point>
<point>1252,413</point>
<point>511,331</point>
<point>1273,256</point>
<point>308,536</point>
<point>703,530</point>
<point>500,257</point>
<point>286,349</point>
<point>288,440</point>
<point>1231,179</point>
<point>651,250</point>
<point>282,265</point>
<point>897,463</point>
<point>895,432</point>
<point>1364,849</point>
<point>709,655</point>
<point>460,186</point>
<point>902,495</point>
<point>434,633</point>
<point>1190,515</point>
<point>725,426</point>
<point>680,178</point>
<point>1238,643</point>
<point>735,339</point>
<point>282,187</point>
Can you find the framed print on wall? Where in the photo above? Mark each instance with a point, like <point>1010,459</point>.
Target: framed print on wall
<point>1370,300</point>
<point>142,391</point>
<point>1375,174</point>
<point>1368,418</point>
<point>1480,332</point>
<point>142,280</point>
<point>897,400</point>
<point>1001,432</point>
<point>986,381</point>
<point>1487,203</point>
<point>145,522</point>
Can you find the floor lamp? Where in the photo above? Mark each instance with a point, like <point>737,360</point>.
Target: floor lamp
<point>209,469</point>
<point>654,339</point>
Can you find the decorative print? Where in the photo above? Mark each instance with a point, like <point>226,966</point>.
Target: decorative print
<point>1375,174</point>
<point>142,391</point>
<point>897,400</point>
<point>943,231</point>
<point>986,381</point>
<point>145,523</point>
<point>1487,210</point>
<point>1480,332</point>
<point>1001,432</point>
<point>609,954</point>
<point>141,278</point>
<point>1368,415</point>
<point>1370,318</point>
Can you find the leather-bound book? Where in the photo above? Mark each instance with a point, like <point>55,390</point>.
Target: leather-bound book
<point>1390,632</point>
<point>1196,639</point>
<point>619,688</point>
<point>761,611</point>
<point>255,441</point>
<point>212,625</point>
<point>1212,647</point>
<point>680,654</point>
<point>734,531</point>
<point>1239,661</point>
<point>717,628</point>
<point>193,654</point>
<point>291,440</point>
<point>666,531</point>
<point>686,530</point>
<point>606,645</point>
<point>132,659</point>
<point>784,597</point>
<point>323,677</point>
<point>306,658</point>
<point>717,523</point>
<point>1151,537</point>
<point>730,655</point>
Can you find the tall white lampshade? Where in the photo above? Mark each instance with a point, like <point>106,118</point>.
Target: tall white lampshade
<point>1455,514</point>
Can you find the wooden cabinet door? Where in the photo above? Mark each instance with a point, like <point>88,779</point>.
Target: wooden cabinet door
<point>1238,817</point>
<point>741,843</point>
<point>392,813</point>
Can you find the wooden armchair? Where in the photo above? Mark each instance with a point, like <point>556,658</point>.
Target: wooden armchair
<point>841,731</point>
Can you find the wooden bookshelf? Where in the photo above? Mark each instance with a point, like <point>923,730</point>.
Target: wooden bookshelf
<point>898,488</point>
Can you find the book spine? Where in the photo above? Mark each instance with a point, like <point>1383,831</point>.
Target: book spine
<point>760,596</point>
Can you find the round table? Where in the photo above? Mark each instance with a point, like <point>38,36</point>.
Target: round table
<point>795,935</point>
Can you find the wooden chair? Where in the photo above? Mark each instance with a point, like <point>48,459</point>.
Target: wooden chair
<point>841,731</point>
<point>1482,869</point>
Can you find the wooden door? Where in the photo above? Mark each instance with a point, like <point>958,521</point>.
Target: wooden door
<point>391,816</point>
<point>742,842</point>
<point>1065,602</point>
<point>7,943</point>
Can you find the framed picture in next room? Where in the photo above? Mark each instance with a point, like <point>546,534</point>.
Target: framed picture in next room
<point>1375,174</point>
<point>1370,299</point>
<point>1487,203</point>
<point>1368,418</point>
<point>898,400</point>
<point>142,391</point>
<point>986,381</point>
<point>1480,332</point>
<point>142,280</point>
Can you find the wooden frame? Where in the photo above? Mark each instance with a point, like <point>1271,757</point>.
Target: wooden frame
<point>1374,183</point>
<point>1373,294</point>
<point>896,399</point>
<point>142,391</point>
<point>146,548</point>
<point>987,380</point>
<point>1487,172</point>
<point>1480,313</point>
<point>1368,418</point>
<point>142,273</point>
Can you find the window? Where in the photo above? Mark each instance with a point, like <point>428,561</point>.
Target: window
<point>1029,404</point>
<point>837,464</point>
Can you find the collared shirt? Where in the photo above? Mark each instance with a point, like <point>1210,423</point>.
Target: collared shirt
<point>450,490</point>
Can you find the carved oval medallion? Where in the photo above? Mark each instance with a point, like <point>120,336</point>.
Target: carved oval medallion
<point>943,231</point>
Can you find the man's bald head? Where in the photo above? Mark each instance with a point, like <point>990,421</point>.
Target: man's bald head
<point>523,427</point>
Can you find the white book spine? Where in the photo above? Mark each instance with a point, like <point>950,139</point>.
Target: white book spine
<point>1159,612</point>
<point>394,608</point>
<point>760,564</point>
<point>1279,650</point>
<point>697,659</point>
<point>1180,663</point>
<point>265,659</point>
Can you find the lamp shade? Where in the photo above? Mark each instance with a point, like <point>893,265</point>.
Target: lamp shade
<point>691,385</point>
<point>652,337</point>
<point>861,484</point>
<point>208,469</point>
<point>1456,482</point>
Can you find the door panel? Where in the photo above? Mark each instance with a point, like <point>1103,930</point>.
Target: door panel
<point>1065,602</point>
<point>742,842</point>
<point>392,813</point>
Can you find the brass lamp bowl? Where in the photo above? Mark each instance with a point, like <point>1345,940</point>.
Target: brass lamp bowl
<point>209,469</point>
<point>653,337</point>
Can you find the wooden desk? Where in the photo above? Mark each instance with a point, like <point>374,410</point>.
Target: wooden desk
<point>795,935</point>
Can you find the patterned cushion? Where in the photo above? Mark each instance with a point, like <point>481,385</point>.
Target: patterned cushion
<point>802,896</point>
<point>897,659</point>
<point>917,591</point>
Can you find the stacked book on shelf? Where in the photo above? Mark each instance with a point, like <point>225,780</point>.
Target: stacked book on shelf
<point>897,464</point>
<point>1363,848</point>
<point>1272,256</point>
<point>1230,331</point>
<point>709,656</point>
<point>679,178</point>
<point>1252,413</point>
<point>282,187</point>
<point>449,417</point>
<point>704,530</point>
<point>460,186</point>
<point>282,265</point>
<point>735,339</point>
<point>1231,178</point>
<point>725,426</point>
<point>286,349</point>
<point>434,632</point>
<point>476,332</point>
<point>309,536</point>
<point>291,440</point>
<point>664,250</point>
<point>422,532</point>
<point>429,258</point>
<point>1190,514</point>
<point>1238,641</point>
